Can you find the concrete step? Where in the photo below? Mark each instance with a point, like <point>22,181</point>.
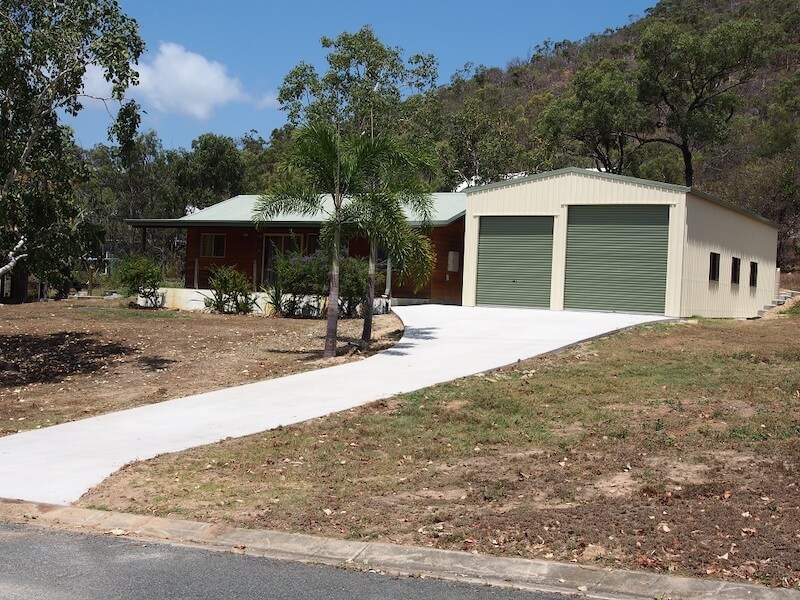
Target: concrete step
<point>782,298</point>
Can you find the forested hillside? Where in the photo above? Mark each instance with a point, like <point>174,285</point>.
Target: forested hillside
<point>705,92</point>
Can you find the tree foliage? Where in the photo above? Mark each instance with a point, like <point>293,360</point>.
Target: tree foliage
<point>687,81</point>
<point>363,88</point>
<point>321,162</point>
<point>142,277</point>
<point>46,49</point>
<point>596,117</point>
<point>213,171</point>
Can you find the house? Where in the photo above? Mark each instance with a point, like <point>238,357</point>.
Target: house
<point>224,234</point>
<point>579,239</point>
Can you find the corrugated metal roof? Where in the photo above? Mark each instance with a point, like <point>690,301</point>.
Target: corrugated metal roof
<point>238,211</point>
<point>620,178</point>
<point>576,171</point>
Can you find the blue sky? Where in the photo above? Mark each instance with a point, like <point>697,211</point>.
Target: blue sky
<point>216,66</point>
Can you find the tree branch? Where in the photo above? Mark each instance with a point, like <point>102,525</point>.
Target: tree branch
<point>13,257</point>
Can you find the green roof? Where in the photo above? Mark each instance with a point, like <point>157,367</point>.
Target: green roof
<point>238,212</point>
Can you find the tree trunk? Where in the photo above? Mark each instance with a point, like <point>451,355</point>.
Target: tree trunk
<point>688,171</point>
<point>369,301</point>
<point>333,298</point>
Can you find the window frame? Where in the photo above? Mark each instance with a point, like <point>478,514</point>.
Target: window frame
<point>214,237</point>
<point>736,270</point>
<point>312,239</point>
<point>753,273</point>
<point>713,266</point>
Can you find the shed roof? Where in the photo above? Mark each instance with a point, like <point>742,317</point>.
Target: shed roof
<point>238,212</point>
<point>668,187</point>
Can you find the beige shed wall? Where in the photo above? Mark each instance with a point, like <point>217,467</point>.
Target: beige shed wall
<point>551,196</point>
<point>711,227</point>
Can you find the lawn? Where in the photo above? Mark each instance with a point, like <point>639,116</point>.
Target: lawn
<point>61,361</point>
<point>673,447</point>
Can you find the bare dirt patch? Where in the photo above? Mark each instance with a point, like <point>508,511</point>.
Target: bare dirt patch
<point>61,361</point>
<point>672,448</point>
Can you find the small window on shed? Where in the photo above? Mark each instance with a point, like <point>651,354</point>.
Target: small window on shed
<point>713,267</point>
<point>736,269</point>
<point>753,274</point>
<point>212,245</point>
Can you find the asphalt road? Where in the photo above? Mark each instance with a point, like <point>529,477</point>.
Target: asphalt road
<point>59,565</point>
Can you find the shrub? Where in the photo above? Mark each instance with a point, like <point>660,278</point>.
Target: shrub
<point>300,284</point>
<point>353,285</point>
<point>304,279</point>
<point>230,292</point>
<point>140,276</point>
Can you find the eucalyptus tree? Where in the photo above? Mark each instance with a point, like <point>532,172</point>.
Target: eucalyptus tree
<point>597,118</point>
<point>687,80</point>
<point>46,49</point>
<point>212,171</point>
<point>364,88</point>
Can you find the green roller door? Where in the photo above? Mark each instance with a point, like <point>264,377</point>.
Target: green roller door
<point>617,258</point>
<point>515,257</point>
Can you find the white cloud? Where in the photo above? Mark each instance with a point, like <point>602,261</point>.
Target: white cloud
<point>267,100</point>
<point>95,84</point>
<point>96,90</point>
<point>179,81</point>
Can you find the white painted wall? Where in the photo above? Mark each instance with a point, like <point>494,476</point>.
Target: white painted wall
<point>192,299</point>
<point>711,227</point>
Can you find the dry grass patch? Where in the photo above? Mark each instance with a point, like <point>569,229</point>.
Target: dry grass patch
<point>61,361</point>
<point>668,447</point>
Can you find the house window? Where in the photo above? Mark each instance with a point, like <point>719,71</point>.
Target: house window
<point>312,243</point>
<point>212,245</point>
<point>713,267</point>
<point>753,274</point>
<point>736,269</point>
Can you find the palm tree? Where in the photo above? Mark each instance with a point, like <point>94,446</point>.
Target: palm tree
<point>380,216</point>
<point>320,163</point>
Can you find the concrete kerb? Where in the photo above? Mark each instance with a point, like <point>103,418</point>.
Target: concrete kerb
<point>518,573</point>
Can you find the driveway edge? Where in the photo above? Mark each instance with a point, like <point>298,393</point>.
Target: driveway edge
<point>518,573</point>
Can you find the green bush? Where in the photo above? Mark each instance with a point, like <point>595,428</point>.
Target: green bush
<point>140,276</point>
<point>353,285</point>
<point>302,283</point>
<point>230,292</point>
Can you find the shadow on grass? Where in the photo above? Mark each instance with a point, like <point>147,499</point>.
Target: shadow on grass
<point>155,363</point>
<point>50,358</point>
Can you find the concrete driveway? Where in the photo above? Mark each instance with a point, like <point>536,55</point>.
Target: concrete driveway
<point>60,463</point>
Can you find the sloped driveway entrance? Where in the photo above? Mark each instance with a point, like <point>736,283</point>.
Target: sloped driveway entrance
<point>58,464</point>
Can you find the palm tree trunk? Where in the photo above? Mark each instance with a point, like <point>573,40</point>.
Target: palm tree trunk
<point>369,301</point>
<point>333,298</point>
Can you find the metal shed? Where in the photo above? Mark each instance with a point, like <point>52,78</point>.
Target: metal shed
<point>580,239</point>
